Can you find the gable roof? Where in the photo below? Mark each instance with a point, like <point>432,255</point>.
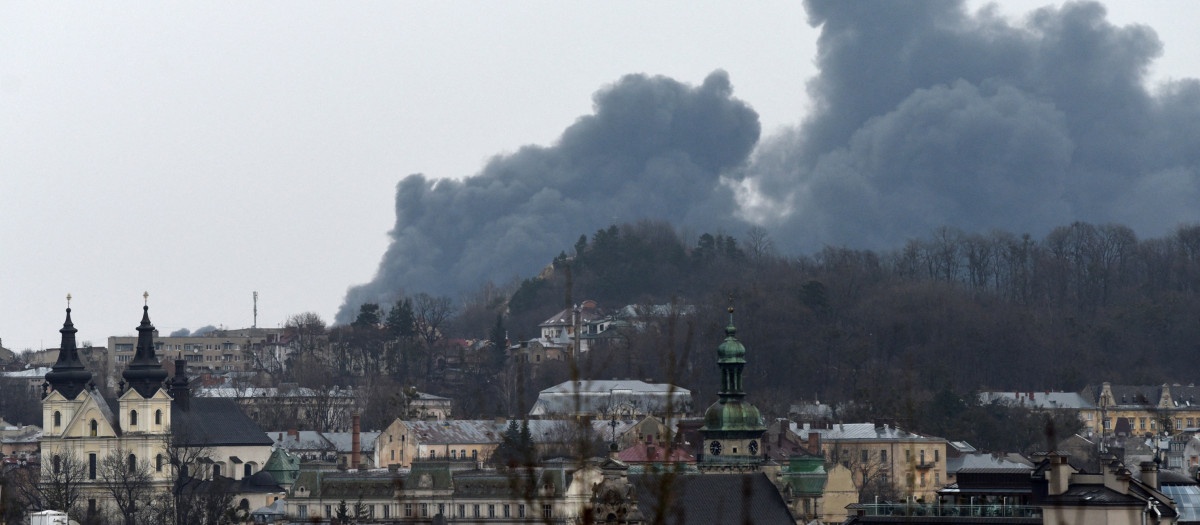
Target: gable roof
<point>713,498</point>
<point>216,422</point>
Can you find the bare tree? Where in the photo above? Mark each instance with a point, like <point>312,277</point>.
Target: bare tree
<point>430,313</point>
<point>60,485</point>
<point>306,328</point>
<point>129,481</point>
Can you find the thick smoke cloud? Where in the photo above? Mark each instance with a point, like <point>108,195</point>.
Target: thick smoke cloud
<point>929,115</point>
<point>925,115</point>
<point>653,148</point>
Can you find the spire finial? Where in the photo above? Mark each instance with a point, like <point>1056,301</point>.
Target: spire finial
<point>68,300</point>
<point>145,298</point>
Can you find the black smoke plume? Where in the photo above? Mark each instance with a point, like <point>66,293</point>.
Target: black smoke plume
<point>928,115</point>
<point>653,148</point>
<point>925,115</point>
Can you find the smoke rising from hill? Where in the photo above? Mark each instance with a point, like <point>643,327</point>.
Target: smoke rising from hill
<point>653,148</point>
<point>925,115</point>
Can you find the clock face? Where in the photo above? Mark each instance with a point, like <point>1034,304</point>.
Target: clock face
<point>714,448</point>
<point>753,447</point>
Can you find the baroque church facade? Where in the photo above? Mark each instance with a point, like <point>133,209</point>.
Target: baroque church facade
<point>153,425</point>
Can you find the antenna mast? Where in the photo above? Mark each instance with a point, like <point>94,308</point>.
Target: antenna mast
<point>255,325</point>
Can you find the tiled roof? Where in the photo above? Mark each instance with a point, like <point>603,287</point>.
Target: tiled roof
<point>861,431</point>
<point>1044,400</point>
<point>217,422</point>
<point>713,498</point>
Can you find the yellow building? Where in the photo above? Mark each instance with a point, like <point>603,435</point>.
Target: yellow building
<point>1140,410</point>
<point>152,427</point>
<point>884,459</point>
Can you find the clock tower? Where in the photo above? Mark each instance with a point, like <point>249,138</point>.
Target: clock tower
<point>732,428</point>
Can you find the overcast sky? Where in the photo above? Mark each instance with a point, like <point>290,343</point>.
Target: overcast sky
<point>205,151</point>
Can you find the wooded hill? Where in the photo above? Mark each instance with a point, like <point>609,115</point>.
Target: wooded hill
<point>955,312</point>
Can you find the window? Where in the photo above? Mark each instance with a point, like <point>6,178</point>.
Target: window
<point>393,455</point>
<point>216,470</point>
<point>1142,423</point>
<point>883,456</point>
<point>442,509</point>
<point>133,418</point>
<point>132,463</point>
<point>1189,422</point>
<point>57,464</point>
<point>462,511</point>
<point>408,510</point>
<point>158,463</point>
<point>91,466</point>
<point>922,479</point>
<point>329,511</point>
<point>937,454</point>
<point>387,511</point>
<point>477,511</point>
<point>453,454</point>
<point>424,510</point>
<point>462,454</point>
<point>491,511</point>
<point>922,457</point>
<point>863,455</point>
<point>907,455</point>
<point>507,514</point>
<point>547,511</point>
<point>95,428</point>
<point>474,455</point>
<point>1107,424</point>
<point>158,417</point>
<point>937,479</point>
<point>432,454</point>
<point>302,511</point>
<point>521,511</point>
<point>57,418</point>
<point>247,470</point>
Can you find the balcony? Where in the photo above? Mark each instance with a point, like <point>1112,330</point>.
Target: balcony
<point>949,511</point>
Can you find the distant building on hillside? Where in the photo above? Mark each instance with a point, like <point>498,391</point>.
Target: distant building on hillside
<point>627,399</point>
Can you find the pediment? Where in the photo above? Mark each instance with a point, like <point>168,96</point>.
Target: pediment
<point>93,408</point>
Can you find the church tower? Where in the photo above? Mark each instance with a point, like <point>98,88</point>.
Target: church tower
<point>68,377</point>
<point>732,427</point>
<point>144,374</point>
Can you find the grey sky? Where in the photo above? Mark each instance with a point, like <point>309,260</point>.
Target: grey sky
<point>205,151</point>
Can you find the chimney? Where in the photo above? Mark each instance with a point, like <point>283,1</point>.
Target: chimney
<point>354,445</point>
<point>1150,474</point>
<point>181,393</point>
<point>294,433</point>
<point>1059,476</point>
<point>814,443</point>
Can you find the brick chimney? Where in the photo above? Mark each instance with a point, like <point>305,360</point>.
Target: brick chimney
<point>354,444</point>
<point>814,442</point>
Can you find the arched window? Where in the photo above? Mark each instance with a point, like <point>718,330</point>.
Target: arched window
<point>132,463</point>
<point>453,454</point>
<point>158,463</point>
<point>462,454</point>
<point>95,428</point>
<point>158,417</point>
<point>216,470</point>
<point>57,464</point>
<point>247,470</point>
<point>57,418</point>
<point>133,418</point>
